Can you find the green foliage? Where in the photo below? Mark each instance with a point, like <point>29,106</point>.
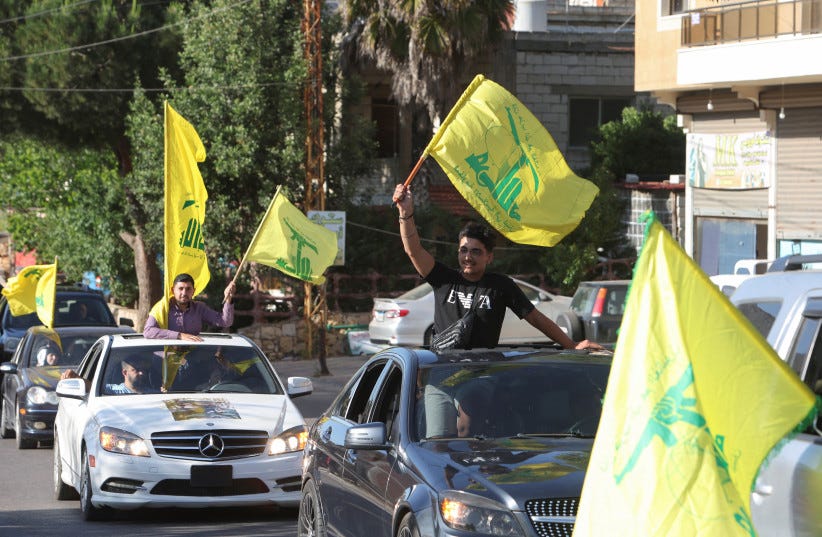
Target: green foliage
<point>81,116</point>
<point>643,142</point>
<point>60,201</point>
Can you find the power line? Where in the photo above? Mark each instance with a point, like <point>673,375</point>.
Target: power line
<point>46,12</point>
<point>151,90</point>
<point>122,38</point>
<point>434,241</point>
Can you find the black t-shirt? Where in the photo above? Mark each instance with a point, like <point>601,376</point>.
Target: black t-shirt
<point>454,295</point>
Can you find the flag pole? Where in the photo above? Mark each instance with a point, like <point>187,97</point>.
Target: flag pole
<point>415,170</point>
<point>254,238</point>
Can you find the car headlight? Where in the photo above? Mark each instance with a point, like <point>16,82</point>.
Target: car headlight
<point>291,440</point>
<point>120,441</point>
<point>37,395</point>
<point>468,512</point>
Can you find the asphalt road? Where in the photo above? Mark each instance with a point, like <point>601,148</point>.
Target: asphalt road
<point>27,508</point>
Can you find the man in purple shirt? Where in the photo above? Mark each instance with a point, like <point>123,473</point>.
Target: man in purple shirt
<point>186,316</point>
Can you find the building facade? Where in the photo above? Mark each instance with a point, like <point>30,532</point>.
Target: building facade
<point>745,79</point>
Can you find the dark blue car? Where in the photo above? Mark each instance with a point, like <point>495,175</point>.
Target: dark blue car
<point>482,442</point>
<point>74,306</point>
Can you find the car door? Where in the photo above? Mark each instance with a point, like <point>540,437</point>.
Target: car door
<point>11,383</point>
<point>349,409</point>
<point>371,469</point>
<point>74,414</point>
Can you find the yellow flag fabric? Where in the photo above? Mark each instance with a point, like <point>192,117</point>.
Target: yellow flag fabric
<point>45,295</point>
<point>508,167</point>
<point>185,203</point>
<point>291,243</point>
<point>696,400</point>
<point>21,290</point>
<point>160,312</point>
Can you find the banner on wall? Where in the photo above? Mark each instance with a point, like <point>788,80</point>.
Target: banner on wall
<point>730,161</point>
<point>334,221</point>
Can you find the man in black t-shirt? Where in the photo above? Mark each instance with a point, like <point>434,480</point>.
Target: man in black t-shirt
<point>458,291</point>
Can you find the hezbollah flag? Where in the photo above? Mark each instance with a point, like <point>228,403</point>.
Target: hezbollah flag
<point>291,243</point>
<point>45,295</point>
<point>21,290</point>
<point>185,204</point>
<point>508,167</point>
<point>696,401</point>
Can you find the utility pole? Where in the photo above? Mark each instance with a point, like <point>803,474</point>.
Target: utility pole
<point>314,164</point>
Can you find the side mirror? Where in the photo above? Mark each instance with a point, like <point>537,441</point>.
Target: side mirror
<point>8,367</point>
<point>125,321</point>
<point>299,386</point>
<point>366,436</point>
<point>73,388</point>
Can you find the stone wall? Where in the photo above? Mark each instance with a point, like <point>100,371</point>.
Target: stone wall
<point>287,338</point>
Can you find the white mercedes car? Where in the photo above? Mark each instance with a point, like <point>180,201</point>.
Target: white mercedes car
<point>162,423</point>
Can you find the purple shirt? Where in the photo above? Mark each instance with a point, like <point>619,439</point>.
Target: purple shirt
<point>189,321</point>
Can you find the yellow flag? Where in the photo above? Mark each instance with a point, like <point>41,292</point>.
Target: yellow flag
<point>288,241</point>
<point>508,167</point>
<point>696,400</point>
<point>185,203</point>
<point>21,290</point>
<point>45,295</point>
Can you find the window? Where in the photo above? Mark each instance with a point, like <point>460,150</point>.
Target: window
<point>588,113</point>
<point>353,405</point>
<point>761,314</point>
<point>387,406</point>
<point>385,116</point>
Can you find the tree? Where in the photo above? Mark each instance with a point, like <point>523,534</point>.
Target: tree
<point>643,141</point>
<point>243,72</point>
<point>60,201</point>
<point>428,46</point>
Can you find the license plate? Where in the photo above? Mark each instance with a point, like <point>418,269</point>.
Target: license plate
<point>211,476</point>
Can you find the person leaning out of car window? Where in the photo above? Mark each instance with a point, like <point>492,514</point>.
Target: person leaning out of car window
<point>185,316</point>
<point>472,286</point>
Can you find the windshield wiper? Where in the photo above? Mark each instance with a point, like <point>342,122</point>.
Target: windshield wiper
<point>573,433</point>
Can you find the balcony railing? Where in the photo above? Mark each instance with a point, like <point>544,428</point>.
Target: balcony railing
<point>749,21</point>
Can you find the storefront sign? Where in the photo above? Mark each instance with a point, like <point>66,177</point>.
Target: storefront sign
<point>335,221</point>
<point>730,161</point>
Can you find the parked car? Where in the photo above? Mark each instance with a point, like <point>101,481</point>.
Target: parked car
<point>213,425</point>
<point>29,403</point>
<point>481,442</point>
<point>74,306</point>
<point>408,320</point>
<point>743,269</point>
<point>596,311</point>
<point>785,306</point>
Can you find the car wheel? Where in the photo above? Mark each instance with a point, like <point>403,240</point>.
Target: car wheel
<point>22,441</point>
<point>569,321</point>
<point>90,512</point>
<point>6,429</point>
<point>309,519</point>
<point>61,490</point>
<point>428,336</point>
<point>408,527</point>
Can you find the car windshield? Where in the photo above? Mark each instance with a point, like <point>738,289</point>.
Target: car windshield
<point>530,398</point>
<point>58,351</point>
<point>187,369</point>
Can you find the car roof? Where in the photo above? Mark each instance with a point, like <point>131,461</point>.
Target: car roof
<point>501,354</point>
<point>81,330</point>
<point>139,340</point>
<point>605,283</point>
<point>780,285</point>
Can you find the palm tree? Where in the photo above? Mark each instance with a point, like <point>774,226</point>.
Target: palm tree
<point>428,46</point>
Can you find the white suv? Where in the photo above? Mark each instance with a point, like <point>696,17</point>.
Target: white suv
<point>785,305</point>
